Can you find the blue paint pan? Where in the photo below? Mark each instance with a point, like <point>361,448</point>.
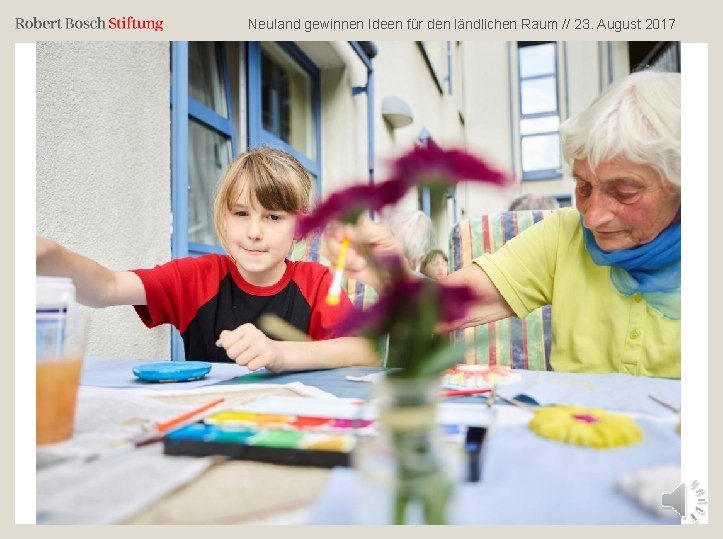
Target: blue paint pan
<point>172,371</point>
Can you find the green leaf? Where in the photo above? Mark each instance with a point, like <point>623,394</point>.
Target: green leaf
<point>443,359</point>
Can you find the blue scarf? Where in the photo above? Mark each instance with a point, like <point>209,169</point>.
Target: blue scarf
<point>652,269</point>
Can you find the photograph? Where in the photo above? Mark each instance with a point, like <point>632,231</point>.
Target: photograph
<point>358,282</point>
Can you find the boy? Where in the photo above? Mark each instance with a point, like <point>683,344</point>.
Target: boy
<point>215,300</point>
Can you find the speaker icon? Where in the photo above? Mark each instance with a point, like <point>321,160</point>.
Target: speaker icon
<point>675,500</point>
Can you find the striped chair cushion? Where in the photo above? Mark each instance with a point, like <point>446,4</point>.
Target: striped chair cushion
<point>518,343</point>
<point>308,249</point>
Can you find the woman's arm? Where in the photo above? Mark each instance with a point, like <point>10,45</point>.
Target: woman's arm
<point>491,305</point>
<point>96,285</point>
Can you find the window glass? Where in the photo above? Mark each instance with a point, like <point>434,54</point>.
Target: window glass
<point>538,95</point>
<point>204,76</point>
<point>541,152</point>
<point>537,60</point>
<point>208,157</point>
<point>539,125</point>
<point>539,110</point>
<point>286,106</point>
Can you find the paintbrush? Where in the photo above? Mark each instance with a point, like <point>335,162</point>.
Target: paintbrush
<point>157,433</point>
<point>334,295</point>
<point>280,328</point>
<point>517,403</point>
<point>665,404</point>
<point>491,399</point>
<point>464,392</point>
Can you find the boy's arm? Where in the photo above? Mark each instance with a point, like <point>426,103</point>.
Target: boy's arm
<point>96,285</point>
<point>247,345</point>
<point>327,354</point>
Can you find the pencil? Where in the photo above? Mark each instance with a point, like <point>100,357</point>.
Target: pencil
<point>462,392</point>
<point>165,426</point>
<point>334,294</point>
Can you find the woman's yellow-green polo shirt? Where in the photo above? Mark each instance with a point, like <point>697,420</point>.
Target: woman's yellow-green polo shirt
<point>595,328</point>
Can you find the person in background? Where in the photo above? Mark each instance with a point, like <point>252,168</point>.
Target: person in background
<point>216,300</point>
<point>435,264</point>
<point>414,231</point>
<point>610,267</point>
<point>532,201</point>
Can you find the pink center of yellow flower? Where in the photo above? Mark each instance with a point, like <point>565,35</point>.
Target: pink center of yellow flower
<point>586,418</point>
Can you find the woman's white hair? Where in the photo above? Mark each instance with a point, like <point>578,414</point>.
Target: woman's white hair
<point>415,231</point>
<point>637,118</point>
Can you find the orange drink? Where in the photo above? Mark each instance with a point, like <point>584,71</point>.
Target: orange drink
<point>60,339</point>
<point>56,389</point>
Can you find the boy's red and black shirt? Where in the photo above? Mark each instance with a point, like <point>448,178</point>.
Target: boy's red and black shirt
<point>202,296</point>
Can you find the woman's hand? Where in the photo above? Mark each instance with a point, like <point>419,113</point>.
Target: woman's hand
<point>367,236</point>
<point>249,346</point>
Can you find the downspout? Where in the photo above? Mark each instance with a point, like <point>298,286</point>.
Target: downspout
<point>366,51</point>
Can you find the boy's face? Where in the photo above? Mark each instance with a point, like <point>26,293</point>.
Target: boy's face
<point>258,239</point>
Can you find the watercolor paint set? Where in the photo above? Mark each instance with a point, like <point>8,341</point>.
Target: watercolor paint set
<point>276,438</point>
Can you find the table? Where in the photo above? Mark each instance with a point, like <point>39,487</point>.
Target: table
<point>526,479</point>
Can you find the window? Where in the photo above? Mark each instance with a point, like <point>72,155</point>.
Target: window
<point>203,141</point>
<point>539,110</point>
<point>286,108</point>
<point>284,102</point>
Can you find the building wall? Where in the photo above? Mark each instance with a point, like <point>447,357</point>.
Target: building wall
<point>103,169</point>
<point>489,113</point>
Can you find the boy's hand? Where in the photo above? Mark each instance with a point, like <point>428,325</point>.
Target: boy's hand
<point>247,345</point>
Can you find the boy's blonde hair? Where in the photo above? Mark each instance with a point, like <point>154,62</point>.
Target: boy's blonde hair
<point>277,180</point>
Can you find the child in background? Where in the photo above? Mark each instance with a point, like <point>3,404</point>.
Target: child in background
<point>435,264</point>
<point>215,300</point>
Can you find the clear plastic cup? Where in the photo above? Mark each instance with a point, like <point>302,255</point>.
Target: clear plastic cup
<point>60,347</point>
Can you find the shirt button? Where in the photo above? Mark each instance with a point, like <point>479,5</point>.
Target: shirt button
<point>634,334</point>
<point>638,298</point>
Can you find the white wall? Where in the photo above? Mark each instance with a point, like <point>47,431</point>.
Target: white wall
<point>103,169</point>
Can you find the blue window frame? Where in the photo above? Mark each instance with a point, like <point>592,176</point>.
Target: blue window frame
<point>539,110</point>
<point>193,117</point>
<point>268,99</point>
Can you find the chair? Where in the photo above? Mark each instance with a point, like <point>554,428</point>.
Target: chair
<point>513,342</point>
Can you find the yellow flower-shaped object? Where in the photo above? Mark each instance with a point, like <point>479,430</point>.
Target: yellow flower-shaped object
<point>591,427</point>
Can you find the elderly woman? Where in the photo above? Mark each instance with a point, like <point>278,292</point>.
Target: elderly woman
<point>610,268</point>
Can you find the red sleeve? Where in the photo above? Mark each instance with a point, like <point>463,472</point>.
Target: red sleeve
<point>314,284</point>
<point>176,290</point>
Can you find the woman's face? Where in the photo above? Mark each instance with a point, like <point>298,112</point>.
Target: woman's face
<point>624,204</point>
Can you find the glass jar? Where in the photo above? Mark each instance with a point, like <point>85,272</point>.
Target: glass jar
<point>406,475</point>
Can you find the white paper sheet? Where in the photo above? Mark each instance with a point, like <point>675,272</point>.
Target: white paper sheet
<point>111,489</point>
<point>94,478</point>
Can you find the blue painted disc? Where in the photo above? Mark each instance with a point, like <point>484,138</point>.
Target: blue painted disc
<point>172,371</point>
